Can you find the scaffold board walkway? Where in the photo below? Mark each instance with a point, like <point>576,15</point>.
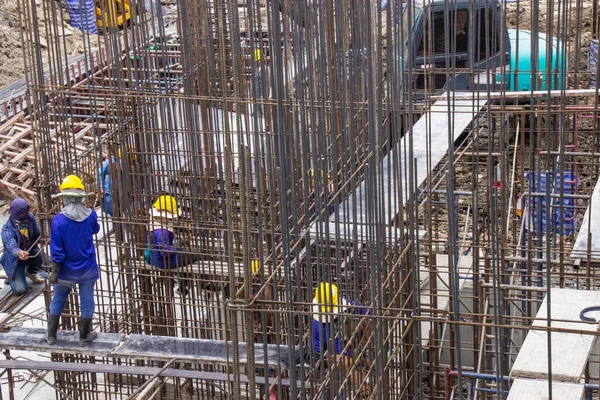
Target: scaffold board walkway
<point>141,347</point>
<point>430,145</point>
<point>11,305</point>
<point>538,389</point>
<point>570,351</point>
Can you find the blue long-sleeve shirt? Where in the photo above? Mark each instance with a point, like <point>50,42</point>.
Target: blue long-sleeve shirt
<point>330,325</point>
<point>10,240</point>
<point>72,247</point>
<point>104,178</point>
<point>162,249</point>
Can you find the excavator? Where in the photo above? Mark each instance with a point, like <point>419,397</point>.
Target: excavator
<point>113,13</point>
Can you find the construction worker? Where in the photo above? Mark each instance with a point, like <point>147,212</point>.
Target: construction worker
<point>82,15</point>
<point>104,175</point>
<point>265,294</point>
<point>328,309</point>
<point>258,83</point>
<point>162,251</point>
<point>106,202</point>
<point>21,256</point>
<point>73,258</point>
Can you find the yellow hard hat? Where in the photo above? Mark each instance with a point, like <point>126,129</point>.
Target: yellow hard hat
<point>255,266</point>
<point>311,175</point>
<point>257,55</point>
<point>167,203</point>
<point>129,149</point>
<point>71,182</point>
<point>327,295</point>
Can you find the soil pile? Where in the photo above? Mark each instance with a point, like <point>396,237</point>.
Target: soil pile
<point>52,19</point>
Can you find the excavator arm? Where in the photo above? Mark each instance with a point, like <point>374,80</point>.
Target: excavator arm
<point>113,13</point>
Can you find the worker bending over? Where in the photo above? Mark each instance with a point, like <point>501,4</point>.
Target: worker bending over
<point>21,256</point>
<point>73,258</point>
<point>329,309</point>
<point>162,251</point>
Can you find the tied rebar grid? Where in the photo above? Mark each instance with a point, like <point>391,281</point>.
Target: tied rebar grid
<point>267,159</point>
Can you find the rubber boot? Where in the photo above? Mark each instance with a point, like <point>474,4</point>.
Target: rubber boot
<point>52,328</point>
<point>85,335</point>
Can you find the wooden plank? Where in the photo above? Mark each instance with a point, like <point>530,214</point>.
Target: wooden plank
<point>570,351</point>
<point>538,390</point>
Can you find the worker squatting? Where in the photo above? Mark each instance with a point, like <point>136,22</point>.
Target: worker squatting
<point>73,262</point>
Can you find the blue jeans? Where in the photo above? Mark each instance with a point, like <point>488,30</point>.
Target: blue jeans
<point>18,283</point>
<point>86,297</point>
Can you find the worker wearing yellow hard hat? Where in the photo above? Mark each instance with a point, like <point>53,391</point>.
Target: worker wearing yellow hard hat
<point>165,207</point>
<point>329,306</point>
<point>164,251</point>
<point>73,258</point>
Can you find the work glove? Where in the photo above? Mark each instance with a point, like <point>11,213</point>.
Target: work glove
<point>53,278</point>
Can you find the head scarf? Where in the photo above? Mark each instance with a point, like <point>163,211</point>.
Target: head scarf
<point>74,209</point>
<point>19,216</point>
<point>18,210</point>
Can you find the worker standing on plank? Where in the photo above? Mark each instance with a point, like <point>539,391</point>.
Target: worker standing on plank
<point>73,258</point>
<point>83,15</point>
<point>329,309</point>
<point>21,256</point>
<point>162,251</point>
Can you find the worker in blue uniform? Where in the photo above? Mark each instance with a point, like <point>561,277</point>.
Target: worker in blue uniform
<point>21,256</point>
<point>328,309</point>
<point>106,202</point>
<point>73,258</point>
<point>165,248</point>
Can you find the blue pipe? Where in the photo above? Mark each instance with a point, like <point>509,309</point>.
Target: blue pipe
<point>590,387</point>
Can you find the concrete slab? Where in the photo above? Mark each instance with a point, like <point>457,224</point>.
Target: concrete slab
<point>591,222</point>
<point>430,136</point>
<point>535,389</point>
<point>570,351</point>
<point>442,291</point>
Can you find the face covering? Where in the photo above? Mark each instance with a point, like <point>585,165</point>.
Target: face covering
<point>74,209</point>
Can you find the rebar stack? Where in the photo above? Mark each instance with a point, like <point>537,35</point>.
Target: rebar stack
<point>303,146</point>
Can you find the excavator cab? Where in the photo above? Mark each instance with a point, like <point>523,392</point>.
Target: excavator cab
<point>463,39</point>
<point>113,13</point>
<point>464,45</point>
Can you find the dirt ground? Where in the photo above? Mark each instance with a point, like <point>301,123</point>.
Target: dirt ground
<point>12,65</point>
<point>579,30</point>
